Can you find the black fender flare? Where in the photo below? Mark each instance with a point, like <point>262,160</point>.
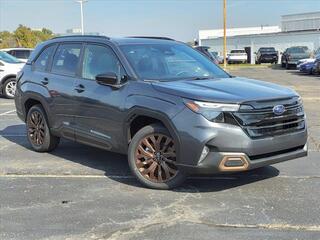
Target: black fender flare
<point>135,112</point>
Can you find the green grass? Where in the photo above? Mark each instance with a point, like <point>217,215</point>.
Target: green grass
<point>246,65</point>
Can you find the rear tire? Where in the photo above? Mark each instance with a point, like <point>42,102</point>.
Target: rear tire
<point>38,131</point>
<point>9,88</point>
<point>152,158</point>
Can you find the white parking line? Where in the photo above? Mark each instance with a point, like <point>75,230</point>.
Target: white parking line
<point>95,176</point>
<point>6,113</point>
<point>13,135</point>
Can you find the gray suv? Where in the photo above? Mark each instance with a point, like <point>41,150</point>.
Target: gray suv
<point>164,104</point>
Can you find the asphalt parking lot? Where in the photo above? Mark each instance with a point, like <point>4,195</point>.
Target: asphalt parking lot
<point>79,192</point>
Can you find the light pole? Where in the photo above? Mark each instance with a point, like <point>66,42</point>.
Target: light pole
<point>81,9</point>
<point>225,34</point>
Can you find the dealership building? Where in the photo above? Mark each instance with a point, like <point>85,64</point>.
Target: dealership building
<point>296,30</point>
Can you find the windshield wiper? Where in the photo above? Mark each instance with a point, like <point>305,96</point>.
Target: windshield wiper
<point>200,78</point>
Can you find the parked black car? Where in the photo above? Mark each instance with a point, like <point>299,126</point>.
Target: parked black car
<point>161,102</point>
<point>292,55</point>
<point>267,55</point>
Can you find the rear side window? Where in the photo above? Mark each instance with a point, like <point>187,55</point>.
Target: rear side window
<point>98,60</point>
<point>42,61</point>
<point>23,54</point>
<point>66,59</point>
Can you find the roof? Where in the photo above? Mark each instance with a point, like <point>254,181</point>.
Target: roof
<point>119,41</point>
<point>9,49</point>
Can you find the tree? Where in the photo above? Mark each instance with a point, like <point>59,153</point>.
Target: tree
<point>24,37</point>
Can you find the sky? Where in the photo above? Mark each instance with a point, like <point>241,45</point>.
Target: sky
<point>179,19</point>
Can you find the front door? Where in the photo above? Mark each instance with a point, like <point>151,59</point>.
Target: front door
<point>99,114</point>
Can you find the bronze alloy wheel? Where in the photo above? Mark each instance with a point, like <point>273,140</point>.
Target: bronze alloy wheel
<point>36,128</point>
<point>155,158</point>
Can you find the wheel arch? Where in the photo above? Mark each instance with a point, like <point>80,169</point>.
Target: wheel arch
<point>5,78</point>
<point>31,100</point>
<point>133,123</point>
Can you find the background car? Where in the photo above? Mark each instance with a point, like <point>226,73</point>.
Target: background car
<point>306,67</point>
<point>267,55</point>
<point>312,59</point>
<point>9,67</point>
<point>218,57</point>
<point>292,55</point>
<point>20,53</point>
<point>316,65</point>
<point>205,50</point>
<point>237,56</point>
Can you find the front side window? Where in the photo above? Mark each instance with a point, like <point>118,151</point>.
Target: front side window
<point>99,60</point>
<point>170,62</point>
<point>42,61</point>
<point>66,59</point>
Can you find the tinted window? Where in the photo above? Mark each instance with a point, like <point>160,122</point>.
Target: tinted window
<point>42,61</point>
<point>23,54</point>
<point>66,59</point>
<point>267,49</point>
<point>170,62</point>
<point>238,51</point>
<point>98,60</point>
<point>297,50</point>
<point>8,58</point>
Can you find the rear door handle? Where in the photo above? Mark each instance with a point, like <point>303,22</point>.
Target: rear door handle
<point>45,81</point>
<point>80,88</point>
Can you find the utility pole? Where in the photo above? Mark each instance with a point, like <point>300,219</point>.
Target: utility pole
<point>81,9</point>
<point>225,34</point>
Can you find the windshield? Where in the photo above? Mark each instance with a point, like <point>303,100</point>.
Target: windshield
<point>297,50</point>
<point>238,51</point>
<point>267,50</point>
<point>170,62</point>
<point>8,58</point>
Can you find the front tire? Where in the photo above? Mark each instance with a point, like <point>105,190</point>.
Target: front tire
<point>152,158</point>
<point>38,131</point>
<point>9,88</point>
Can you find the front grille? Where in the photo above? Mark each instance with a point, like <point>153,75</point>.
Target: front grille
<point>261,122</point>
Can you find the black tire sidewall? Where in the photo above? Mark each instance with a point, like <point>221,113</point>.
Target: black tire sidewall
<point>5,86</point>
<point>154,128</point>
<point>48,139</point>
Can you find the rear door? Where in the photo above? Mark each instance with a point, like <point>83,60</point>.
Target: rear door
<point>61,85</point>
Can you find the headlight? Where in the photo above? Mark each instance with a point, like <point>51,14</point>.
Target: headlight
<point>211,111</point>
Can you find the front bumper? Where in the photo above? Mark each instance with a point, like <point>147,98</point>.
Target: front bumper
<point>226,140</point>
<point>269,59</point>
<point>293,62</point>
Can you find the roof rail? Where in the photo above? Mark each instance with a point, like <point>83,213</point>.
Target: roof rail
<point>161,38</point>
<point>84,36</point>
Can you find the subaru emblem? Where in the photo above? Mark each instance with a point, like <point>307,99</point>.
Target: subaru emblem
<point>279,109</point>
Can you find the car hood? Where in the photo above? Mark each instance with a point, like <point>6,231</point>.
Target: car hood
<point>230,90</point>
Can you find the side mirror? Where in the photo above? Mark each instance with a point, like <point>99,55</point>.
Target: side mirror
<point>110,78</point>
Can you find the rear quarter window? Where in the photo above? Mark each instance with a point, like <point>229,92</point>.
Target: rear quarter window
<point>42,61</point>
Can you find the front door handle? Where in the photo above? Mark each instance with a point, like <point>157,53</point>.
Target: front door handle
<point>45,81</point>
<point>80,88</point>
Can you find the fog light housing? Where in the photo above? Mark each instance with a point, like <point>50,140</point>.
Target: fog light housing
<point>204,153</point>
